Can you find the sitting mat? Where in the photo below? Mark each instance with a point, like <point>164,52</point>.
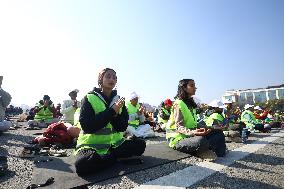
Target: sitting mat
<point>63,170</point>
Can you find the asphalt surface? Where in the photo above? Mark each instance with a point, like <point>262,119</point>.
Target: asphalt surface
<point>263,169</point>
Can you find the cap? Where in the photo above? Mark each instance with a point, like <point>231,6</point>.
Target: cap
<point>168,102</point>
<point>257,108</point>
<point>247,106</point>
<point>216,104</point>
<point>74,91</point>
<point>133,95</point>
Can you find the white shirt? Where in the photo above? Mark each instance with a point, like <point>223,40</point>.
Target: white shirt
<point>68,111</point>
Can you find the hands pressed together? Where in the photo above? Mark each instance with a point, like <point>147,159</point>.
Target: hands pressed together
<point>202,131</point>
<point>118,104</point>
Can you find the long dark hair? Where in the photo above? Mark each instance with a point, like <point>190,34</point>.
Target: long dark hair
<point>183,95</point>
<point>101,76</point>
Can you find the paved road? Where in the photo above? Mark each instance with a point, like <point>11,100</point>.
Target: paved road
<point>262,169</point>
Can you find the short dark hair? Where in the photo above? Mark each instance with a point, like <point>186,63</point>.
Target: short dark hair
<point>46,97</point>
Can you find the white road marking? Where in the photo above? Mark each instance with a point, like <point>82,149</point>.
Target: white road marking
<point>189,176</point>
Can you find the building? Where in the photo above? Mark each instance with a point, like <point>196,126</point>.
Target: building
<point>252,96</point>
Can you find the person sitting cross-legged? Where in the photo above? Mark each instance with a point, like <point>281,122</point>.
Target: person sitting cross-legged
<point>103,119</point>
<point>136,120</point>
<point>184,134</point>
<point>5,99</point>
<point>44,111</point>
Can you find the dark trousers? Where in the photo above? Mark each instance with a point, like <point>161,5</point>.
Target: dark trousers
<point>276,124</point>
<point>262,128</point>
<point>214,141</point>
<point>88,161</point>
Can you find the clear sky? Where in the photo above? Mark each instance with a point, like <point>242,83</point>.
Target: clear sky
<point>51,47</point>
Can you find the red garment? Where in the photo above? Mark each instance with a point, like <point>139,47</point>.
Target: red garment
<point>261,116</point>
<point>56,133</point>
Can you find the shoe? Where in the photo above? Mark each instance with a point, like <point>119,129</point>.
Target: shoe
<point>57,152</point>
<point>208,155</point>
<point>26,153</point>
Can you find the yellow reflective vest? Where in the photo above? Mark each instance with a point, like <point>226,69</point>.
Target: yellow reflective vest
<point>103,139</point>
<point>215,116</point>
<point>189,119</point>
<point>132,110</point>
<point>161,120</point>
<point>44,114</point>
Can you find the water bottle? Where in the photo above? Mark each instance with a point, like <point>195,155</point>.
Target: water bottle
<point>244,135</point>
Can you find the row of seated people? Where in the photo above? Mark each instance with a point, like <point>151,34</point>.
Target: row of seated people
<point>104,118</point>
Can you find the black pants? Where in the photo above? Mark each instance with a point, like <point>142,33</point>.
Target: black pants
<point>214,141</point>
<point>88,161</point>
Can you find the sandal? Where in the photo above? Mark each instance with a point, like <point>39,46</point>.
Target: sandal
<point>26,153</point>
<point>57,152</point>
<point>47,183</point>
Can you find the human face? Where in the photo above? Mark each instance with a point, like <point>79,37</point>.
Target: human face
<point>109,80</point>
<point>134,101</point>
<point>190,88</point>
<point>73,96</point>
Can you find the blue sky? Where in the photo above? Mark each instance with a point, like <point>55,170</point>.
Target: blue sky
<point>52,47</point>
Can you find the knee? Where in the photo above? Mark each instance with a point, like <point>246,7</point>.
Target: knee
<point>80,167</point>
<point>140,146</point>
<point>84,166</point>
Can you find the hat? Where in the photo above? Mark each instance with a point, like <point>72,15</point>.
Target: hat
<point>168,102</point>
<point>133,95</point>
<point>46,97</point>
<point>74,91</point>
<point>216,104</point>
<point>247,106</point>
<point>227,101</point>
<point>257,108</point>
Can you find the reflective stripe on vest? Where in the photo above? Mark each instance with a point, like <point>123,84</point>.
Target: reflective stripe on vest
<point>189,120</point>
<point>104,138</point>
<point>132,110</point>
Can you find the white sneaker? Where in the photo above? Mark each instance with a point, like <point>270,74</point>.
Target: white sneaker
<point>208,155</point>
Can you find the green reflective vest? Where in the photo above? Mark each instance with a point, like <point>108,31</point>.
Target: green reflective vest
<point>189,120</point>
<point>215,116</point>
<point>132,110</point>
<point>103,139</point>
<point>249,123</point>
<point>76,118</point>
<point>161,120</point>
<point>44,114</point>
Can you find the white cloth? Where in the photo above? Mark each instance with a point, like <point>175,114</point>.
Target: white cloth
<point>42,124</point>
<point>143,131</point>
<point>68,111</point>
<point>5,125</point>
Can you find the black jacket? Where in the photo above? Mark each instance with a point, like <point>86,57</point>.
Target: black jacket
<point>91,122</point>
